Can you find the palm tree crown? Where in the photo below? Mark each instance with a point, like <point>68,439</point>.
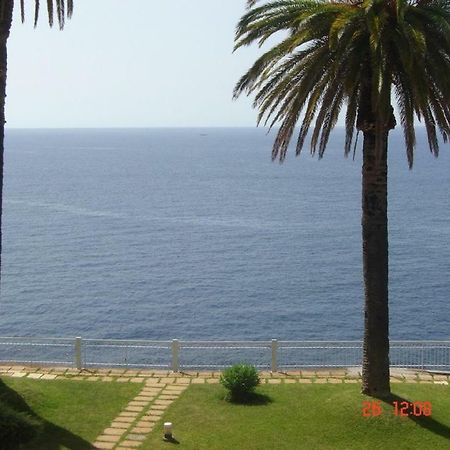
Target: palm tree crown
<point>361,54</point>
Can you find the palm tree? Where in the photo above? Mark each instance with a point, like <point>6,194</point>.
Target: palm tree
<point>6,14</point>
<point>360,56</point>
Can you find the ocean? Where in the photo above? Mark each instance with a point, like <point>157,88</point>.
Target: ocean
<point>197,234</point>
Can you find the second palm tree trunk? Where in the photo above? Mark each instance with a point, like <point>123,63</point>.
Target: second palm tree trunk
<point>375,369</point>
<point>6,10</point>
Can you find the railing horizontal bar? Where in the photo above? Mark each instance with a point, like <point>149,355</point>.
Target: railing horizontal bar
<point>225,345</point>
<point>419,365</point>
<point>214,365</point>
<point>34,361</point>
<point>27,339</point>
<point>317,347</point>
<point>124,364</point>
<point>283,366</point>
<point>126,346</point>
<point>225,348</point>
<point>126,341</point>
<point>34,344</point>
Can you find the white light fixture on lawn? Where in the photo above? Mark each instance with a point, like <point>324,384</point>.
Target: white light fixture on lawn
<point>168,431</point>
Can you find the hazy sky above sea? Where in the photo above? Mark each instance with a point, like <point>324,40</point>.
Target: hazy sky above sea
<point>133,63</point>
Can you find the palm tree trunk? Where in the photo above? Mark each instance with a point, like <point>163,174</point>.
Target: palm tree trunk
<point>6,10</point>
<point>375,370</point>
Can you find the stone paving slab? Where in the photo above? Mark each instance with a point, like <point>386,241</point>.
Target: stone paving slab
<point>108,438</point>
<point>132,444</point>
<point>147,421</point>
<point>167,397</point>
<point>156,412</point>
<point>439,377</point>
<point>134,408</point>
<point>18,374</point>
<point>167,380</point>
<point>128,414</point>
<point>159,407</point>
<point>138,403</point>
<point>137,380</point>
<point>136,437</point>
<point>153,382</point>
<point>124,419</point>
<point>153,389</point>
<point>115,431</point>
<point>104,445</point>
<point>49,377</point>
<point>35,376</point>
<point>163,402</point>
<point>117,371</point>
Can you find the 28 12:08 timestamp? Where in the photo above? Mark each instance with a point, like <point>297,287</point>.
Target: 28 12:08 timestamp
<point>400,409</point>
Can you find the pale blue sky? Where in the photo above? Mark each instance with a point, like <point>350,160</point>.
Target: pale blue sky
<point>133,63</point>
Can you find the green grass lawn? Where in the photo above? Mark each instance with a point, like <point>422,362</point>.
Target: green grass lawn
<point>73,413</point>
<point>295,416</point>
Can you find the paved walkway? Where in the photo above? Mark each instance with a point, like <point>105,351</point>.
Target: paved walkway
<point>165,377</point>
<point>161,388</point>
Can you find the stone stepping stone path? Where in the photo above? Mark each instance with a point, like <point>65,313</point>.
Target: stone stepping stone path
<point>131,427</point>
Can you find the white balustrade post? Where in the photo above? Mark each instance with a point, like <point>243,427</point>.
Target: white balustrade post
<point>175,355</point>
<point>422,359</point>
<point>78,353</point>
<point>274,355</point>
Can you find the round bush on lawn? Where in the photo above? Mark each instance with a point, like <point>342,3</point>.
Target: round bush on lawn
<point>240,380</point>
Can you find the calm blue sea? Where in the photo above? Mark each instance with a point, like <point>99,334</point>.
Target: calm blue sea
<point>196,234</point>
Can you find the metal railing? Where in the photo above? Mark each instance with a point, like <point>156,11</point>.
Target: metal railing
<point>178,355</point>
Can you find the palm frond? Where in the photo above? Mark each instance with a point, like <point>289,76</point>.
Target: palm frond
<point>50,12</point>
<point>36,12</point>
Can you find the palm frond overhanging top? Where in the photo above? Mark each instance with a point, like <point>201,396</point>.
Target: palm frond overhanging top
<point>349,55</point>
<point>64,8</point>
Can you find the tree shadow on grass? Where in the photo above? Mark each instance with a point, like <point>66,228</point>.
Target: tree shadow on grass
<point>251,399</point>
<point>426,422</point>
<point>49,436</point>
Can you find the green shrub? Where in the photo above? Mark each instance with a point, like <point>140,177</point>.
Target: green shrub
<point>240,380</point>
<point>16,428</point>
